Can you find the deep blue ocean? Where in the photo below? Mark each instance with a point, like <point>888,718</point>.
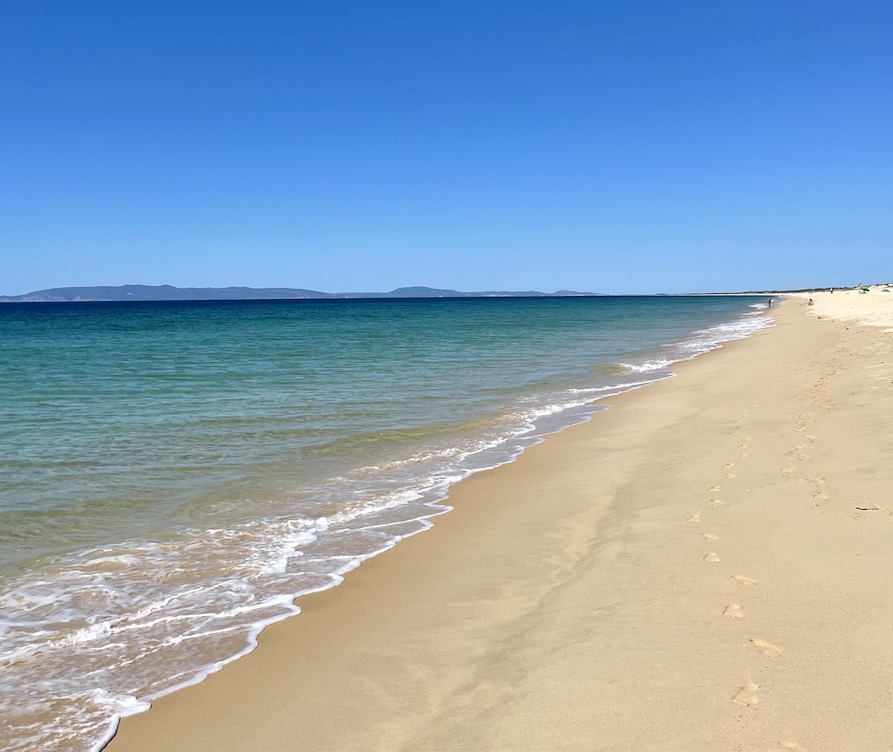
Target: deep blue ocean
<point>173,475</point>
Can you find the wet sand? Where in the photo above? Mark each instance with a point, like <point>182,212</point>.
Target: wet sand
<point>707,565</point>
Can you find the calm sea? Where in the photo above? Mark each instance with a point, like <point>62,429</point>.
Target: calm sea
<point>173,475</point>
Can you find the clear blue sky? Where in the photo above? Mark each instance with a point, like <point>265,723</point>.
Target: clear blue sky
<point>625,146</point>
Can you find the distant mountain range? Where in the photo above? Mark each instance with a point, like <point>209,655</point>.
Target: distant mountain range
<point>167,292</point>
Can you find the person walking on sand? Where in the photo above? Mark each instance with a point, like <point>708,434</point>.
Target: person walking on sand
<point>769,303</point>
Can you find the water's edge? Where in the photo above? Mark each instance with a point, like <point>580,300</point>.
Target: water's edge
<point>289,602</point>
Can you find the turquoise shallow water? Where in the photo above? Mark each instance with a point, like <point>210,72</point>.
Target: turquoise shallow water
<point>173,474</point>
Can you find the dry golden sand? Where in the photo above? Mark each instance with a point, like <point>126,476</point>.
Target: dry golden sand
<point>872,308</point>
<point>706,566</point>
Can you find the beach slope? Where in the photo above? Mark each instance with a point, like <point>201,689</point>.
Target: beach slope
<point>707,565</point>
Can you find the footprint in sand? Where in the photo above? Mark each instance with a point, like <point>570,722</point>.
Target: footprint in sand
<point>746,581</point>
<point>717,502</point>
<point>710,536</point>
<point>789,744</point>
<point>733,611</point>
<point>729,476</point>
<point>788,470</point>
<point>745,454</point>
<point>767,648</point>
<point>695,518</point>
<point>712,557</point>
<point>803,457</point>
<point>747,695</point>
<point>728,465</point>
<point>713,489</point>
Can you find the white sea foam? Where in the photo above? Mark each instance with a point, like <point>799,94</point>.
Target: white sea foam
<point>702,341</point>
<point>658,364</point>
<point>611,388</point>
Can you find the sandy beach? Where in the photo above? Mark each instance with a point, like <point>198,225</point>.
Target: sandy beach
<point>872,308</point>
<point>705,566</point>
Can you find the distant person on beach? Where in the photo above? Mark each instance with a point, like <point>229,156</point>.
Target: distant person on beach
<point>810,302</point>
<point>769,303</point>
